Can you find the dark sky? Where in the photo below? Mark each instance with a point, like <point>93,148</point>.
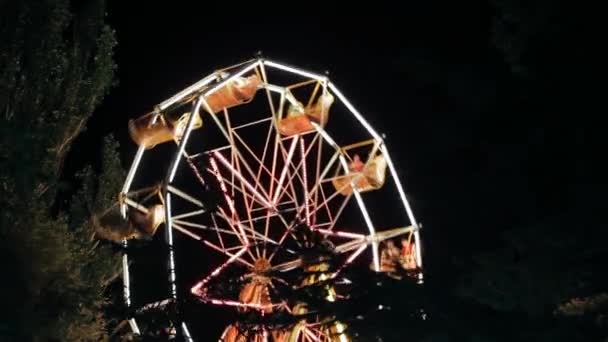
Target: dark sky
<point>476,155</point>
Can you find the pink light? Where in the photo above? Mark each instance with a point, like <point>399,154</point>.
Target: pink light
<point>196,288</point>
<point>302,151</point>
<point>229,199</point>
<point>217,174</point>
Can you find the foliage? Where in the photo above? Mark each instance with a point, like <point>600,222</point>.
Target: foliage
<point>56,65</point>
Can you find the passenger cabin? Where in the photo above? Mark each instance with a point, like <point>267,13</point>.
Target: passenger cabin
<point>299,117</point>
<point>150,130</point>
<point>236,92</point>
<point>366,177</point>
<point>112,226</point>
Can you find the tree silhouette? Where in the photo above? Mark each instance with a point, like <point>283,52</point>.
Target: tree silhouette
<point>56,65</point>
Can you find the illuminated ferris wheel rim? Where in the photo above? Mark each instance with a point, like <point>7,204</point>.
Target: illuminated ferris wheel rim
<point>201,91</point>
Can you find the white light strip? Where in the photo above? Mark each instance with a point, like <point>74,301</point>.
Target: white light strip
<point>134,165</point>
<point>125,277</point>
<point>325,136</point>
<point>191,89</point>
<point>395,176</point>
<point>292,148</point>
<point>134,326</point>
<point>356,113</point>
<point>274,88</point>
<point>418,248</point>
<point>168,221</point>
<point>127,185</point>
<point>232,77</point>
<point>186,332</point>
<point>182,143</point>
<point>294,70</point>
<point>370,227</point>
<point>169,240</point>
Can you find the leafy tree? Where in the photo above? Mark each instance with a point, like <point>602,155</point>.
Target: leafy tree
<point>56,65</point>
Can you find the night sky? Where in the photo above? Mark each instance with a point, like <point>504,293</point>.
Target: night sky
<point>476,153</point>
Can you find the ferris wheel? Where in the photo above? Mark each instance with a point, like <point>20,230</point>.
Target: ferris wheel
<point>261,149</point>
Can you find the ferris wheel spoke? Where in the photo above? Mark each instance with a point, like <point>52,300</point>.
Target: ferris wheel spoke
<point>286,233</point>
<point>234,186</point>
<point>340,211</point>
<point>288,168</point>
<point>186,232</point>
<point>240,232</point>
<point>189,214</point>
<point>215,229</point>
<point>271,214</point>
<point>231,249</point>
<point>225,252</point>
<point>239,156</point>
<point>305,333</point>
<point>321,178</point>
<point>350,259</point>
<point>233,257</point>
<point>266,145</point>
<point>305,201</point>
<point>285,168</point>
<point>185,196</point>
<point>327,200</point>
<point>255,235</point>
<point>277,137</point>
<point>296,174</point>
<point>238,175</point>
<point>219,236</point>
<point>257,159</point>
<point>248,212</point>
